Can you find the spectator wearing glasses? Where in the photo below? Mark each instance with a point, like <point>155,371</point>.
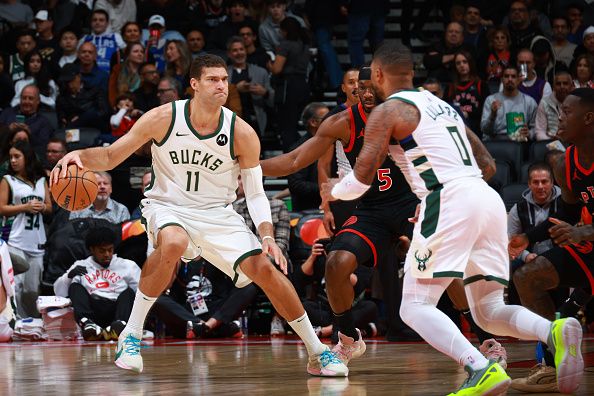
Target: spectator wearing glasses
<point>168,90</point>
<point>256,55</point>
<point>145,97</point>
<point>521,30</point>
<point>56,149</point>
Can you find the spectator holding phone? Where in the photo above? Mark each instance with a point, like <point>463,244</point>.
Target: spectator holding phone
<point>155,39</point>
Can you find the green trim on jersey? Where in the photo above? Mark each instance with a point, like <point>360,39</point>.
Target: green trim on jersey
<point>448,274</point>
<point>431,214</point>
<point>195,132</point>
<point>430,180</point>
<point>152,183</point>
<point>410,102</point>
<point>254,252</point>
<point>419,161</point>
<point>162,142</point>
<point>232,136</point>
<point>476,278</point>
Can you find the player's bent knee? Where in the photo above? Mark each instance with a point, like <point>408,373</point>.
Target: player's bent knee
<point>258,269</point>
<point>173,241</point>
<point>340,263</point>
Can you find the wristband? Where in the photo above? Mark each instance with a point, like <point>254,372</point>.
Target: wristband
<point>349,188</point>
<point>267,237</point>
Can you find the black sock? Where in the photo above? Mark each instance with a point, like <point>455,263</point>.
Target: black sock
<point>480,333</point>
<point>346,325</point>
<point>548,356</point>
<point>574,303</point>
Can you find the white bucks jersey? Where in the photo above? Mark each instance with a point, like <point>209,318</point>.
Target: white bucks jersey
<point>192,170</point>
<point>27,231</point>
<point>438,150</point>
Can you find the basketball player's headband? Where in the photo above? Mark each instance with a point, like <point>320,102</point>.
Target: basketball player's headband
<point>365,73</point>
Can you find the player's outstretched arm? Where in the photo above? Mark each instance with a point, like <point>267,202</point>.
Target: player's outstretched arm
<point>332,129</point>
<point>247,149</point>
<point>152,125</point>
<point>483,158</point>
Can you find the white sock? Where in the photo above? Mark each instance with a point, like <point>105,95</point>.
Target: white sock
<point>141,308</point>
<point>305,331</point>
<point>473,358</point>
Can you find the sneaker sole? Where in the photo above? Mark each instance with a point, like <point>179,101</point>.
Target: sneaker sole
<point>498,389</point>
<point>126,367</point>
<point>326,373</point>
<point>571,367</point>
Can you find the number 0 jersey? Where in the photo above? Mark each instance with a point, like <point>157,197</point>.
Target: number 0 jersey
<point>26,231</point>
<point>438,150</point>
<point>191,170</point>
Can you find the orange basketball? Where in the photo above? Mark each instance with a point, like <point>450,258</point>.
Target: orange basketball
<point>77,190</point>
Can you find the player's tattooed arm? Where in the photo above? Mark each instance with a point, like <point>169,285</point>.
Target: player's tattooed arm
<point>393,118</point>
<point>483,158</point>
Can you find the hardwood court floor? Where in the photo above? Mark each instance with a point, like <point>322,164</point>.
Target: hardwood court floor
<point>256,366</point>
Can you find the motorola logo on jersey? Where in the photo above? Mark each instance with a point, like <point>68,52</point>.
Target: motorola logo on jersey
<point>222,140</point>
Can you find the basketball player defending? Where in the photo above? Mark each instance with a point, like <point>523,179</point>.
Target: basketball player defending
<point>199,148</point>
<point>460,233</point>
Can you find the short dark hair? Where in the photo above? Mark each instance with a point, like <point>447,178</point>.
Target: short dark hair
<point>145,64</point>
<point>100,11</point>
<point>100,236</point>
<point>128,24</point>
<point>586,96</point>
<point>392,54</point>
<point>233,40</point>
<point>511,67</point>
<point>124,96</point>
<point>203,61</point>
<point>57,140</point>
<point>25,32</point>
<point>538,166</point>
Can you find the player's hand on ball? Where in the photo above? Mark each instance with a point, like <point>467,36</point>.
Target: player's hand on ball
<point>517,244</point>
<point>270,247</point>
<point>59,171</point>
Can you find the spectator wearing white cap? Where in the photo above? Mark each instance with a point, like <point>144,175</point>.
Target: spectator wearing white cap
<point>105,41</point>
<point>120,12</point>
<point>47,42</point>
<point>156,36</point>
<point>587,45</point>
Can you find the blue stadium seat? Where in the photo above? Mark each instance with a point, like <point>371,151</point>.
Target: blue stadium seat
<point>512,193</point>
<point>510,152</point>
<point>538,150</point>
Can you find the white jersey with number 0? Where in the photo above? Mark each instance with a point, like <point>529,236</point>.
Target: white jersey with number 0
<point>192,170</point>
<point>27,231</point>
<point>438,150</point>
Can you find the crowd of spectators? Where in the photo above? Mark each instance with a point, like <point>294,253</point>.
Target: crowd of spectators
<point>95,67</point>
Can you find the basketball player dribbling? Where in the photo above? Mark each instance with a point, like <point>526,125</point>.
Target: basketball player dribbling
<point>461,231</point>
<point>199,148</point>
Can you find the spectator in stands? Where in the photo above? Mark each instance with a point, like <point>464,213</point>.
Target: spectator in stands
<point>303,185</point>
<point>540,201</point>
<point>7,317</point>
<point>545,63</point>
<point>145,97</point>
<point>349,90</point>
<point>56,150</point>
<point>366,18</point>
<point>509,114</point>
<point>103,207</point>
<point>15,12</point>
<point>14,132</point>
<point>177,13</point>
<point>68,46</point>
<point>290,71</point>
<point>125,116</point>
<point>91,74</point>
<point>125,76</point>
<point>155,39</point>
<point>211,12</point>
<point>587,45</point>
<point>475,33</point>
<point>106,42</point>
<point>311,272</point>
<point>37,73</point>
<point>28,112</point>
<point>521,29</point>
<point>119,12</point>
<point>168,90</point>
<point>531,84</point>
<point>236,17</point>
<point>563,48</point>
<point>498,58</point>
<point>130,34</point>
<point>322,16</point>
<point>145,182</point>
<point>221,302</point>
<point>547,115</point>
<point>47,43</point>
<point>467,91</point>
<point>80,105</point>
<point>434,86</point>
<point>576,31</point>
<point>257,10</point>
<point>178,63</point>
<point>270,30</point>
<point>101,287</point>
<point>253,84</point>
<point>196,42</point>
<point>439,59</point>
<point>25,42</point>
<point>24,199</point>
<point>6,85</point>
<point>583,71</point>
<point>256,55</point>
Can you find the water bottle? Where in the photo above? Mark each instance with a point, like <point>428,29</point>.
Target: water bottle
<point>243,321</point>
